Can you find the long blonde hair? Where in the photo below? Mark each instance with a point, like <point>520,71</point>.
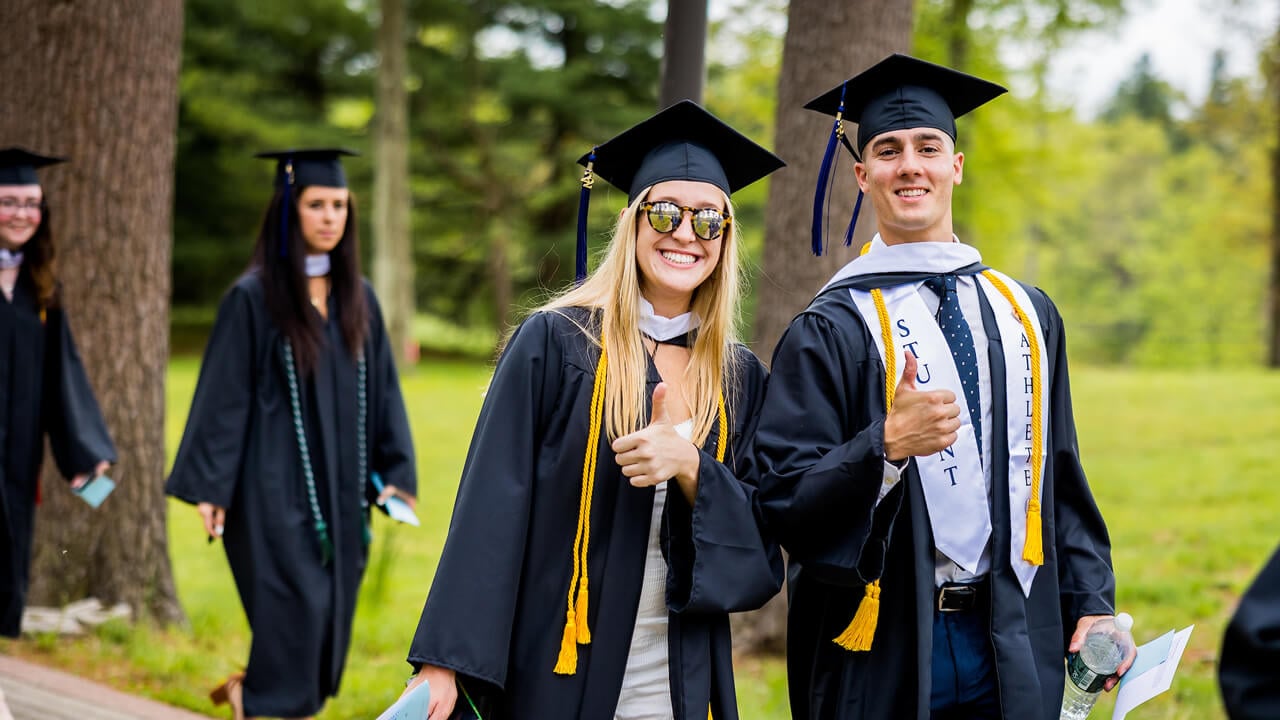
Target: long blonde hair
<point>614,290</point>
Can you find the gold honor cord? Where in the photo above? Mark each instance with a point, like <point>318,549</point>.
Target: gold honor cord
<point>1033,549</point>
<point>862,629</point>
<point>576,631</point>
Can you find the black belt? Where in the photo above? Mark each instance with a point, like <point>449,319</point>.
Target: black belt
<point>962,597</point>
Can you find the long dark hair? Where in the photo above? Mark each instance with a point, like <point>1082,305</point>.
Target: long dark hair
<point>39,260</point>
<point>284,282</point>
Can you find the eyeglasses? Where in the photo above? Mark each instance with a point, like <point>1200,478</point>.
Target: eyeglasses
<point>665,217</point>
<point>11,205</point>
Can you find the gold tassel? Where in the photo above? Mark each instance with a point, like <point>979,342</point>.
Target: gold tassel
<point>857,637</point>
<point>1033,550</point>
<point>584,632</point>
<point>567,663</point>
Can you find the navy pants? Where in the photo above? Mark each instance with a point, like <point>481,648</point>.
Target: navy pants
<point>964,668</point>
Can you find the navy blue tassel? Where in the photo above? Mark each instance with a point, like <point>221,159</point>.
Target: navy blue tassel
<point>853,222</point>
<point>584,202</point>
<point>285,207</point>
<point>824,177</point>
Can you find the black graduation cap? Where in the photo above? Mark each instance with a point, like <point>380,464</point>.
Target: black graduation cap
<point>303,168</point>
<point>683,142</point>
<point>18,166</point>
<point>309,166</point>
<point>897,93</point>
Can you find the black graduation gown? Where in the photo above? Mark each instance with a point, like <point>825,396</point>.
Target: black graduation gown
<point>43,391</point>
<point>1249,670</point>
<point>820,447</point>
<point>240,451</point>
<point>496,610</point>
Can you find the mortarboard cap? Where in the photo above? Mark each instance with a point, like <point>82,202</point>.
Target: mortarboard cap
<point>310,166</point>
<point>897,93</point>
<point>18,166</point>
<point>683,142</point>
<point>303,168</point>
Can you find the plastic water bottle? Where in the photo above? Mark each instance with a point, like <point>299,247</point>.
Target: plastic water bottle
<point>1104,648</point>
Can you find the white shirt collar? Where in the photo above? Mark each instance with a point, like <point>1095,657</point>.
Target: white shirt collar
<point>10,260</point>
<point>937,258</point>
<point>663,329</point>
<point>318,265</point>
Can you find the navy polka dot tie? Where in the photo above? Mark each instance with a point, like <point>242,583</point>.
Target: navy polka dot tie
<point>960,338</point>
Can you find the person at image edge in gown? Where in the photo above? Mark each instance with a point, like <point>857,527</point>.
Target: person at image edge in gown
<point>44,390</point>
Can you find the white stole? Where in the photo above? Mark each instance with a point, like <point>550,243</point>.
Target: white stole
<point>953,481</point>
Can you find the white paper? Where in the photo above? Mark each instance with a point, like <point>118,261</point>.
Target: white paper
<point>410,707</point>
<point>1156,679</point>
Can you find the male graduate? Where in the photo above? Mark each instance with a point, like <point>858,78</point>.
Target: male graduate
<point>918,449</point>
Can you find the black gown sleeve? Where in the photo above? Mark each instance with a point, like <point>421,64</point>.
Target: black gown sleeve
<point>391,451</point>
<point>468,619</point>
<point>77,433</point>
<point>207,466</point>
<point>719,556</point>
<point>1086,580</point>
<point>1249,671</point>
<point>820,445</point>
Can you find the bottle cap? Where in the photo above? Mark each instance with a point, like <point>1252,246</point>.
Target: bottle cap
<point>1124,622</point>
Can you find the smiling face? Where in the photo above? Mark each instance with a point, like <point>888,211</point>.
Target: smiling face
<point>909,176</point>
<point>18,222</point>
<point>322,217</point>
<point>673,264</point>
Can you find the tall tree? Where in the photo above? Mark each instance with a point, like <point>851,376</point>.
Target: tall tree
<point>98,82</point>
<point>1273,282</point>
<point>825,44</point>
<point>392,249</point>
<point>684,50</point>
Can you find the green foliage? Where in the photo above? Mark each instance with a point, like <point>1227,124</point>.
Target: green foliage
<point>1148,225</point>
<point>504,97</point>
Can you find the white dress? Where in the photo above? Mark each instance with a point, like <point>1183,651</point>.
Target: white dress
<point>646,685</point>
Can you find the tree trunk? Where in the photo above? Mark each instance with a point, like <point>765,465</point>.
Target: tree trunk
<point>98,83</point>
<point>684,49</point>
<point>392,246</point>
<point>825,44</point>
<point>1273,289</point>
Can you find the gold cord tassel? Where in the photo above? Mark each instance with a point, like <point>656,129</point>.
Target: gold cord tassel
<point>567,662</point>
<point>857,637</point>
<point>583,632</point>
<point>1033,548</point>
<point>576,630</point>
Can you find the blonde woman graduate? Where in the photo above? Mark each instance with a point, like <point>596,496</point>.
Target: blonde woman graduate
<point>607,521</point>
<point>44,390</point>
<point>297,405</point>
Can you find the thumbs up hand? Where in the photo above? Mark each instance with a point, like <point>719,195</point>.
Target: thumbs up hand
<point>920,422</point>
<point>658,453</point>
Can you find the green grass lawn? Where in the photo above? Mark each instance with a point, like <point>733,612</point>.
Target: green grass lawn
<point>1182,465</point>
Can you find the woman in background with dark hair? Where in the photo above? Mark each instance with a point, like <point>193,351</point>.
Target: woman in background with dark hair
<point>297,404</point>
<point>43,386</point>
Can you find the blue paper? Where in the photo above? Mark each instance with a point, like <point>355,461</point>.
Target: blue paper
<point>96,490</point>
<point>1149,656</point>
<point>395,508</point>
<point>410,707</point>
